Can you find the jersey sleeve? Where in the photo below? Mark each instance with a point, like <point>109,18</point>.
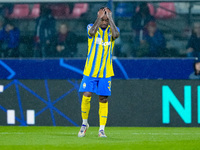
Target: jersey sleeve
<point>89,26</point>
<point>118,29</point>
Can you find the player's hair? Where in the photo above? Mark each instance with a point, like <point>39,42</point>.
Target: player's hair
<point>104,8</point>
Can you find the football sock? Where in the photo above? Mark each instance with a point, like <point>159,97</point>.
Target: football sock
<point>85,108</point>
<point>103,113</point>
<point>84,121</point>
<point>101,127</point>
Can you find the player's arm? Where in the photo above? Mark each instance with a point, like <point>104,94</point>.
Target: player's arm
<point>115,32</point>
<point>97,23</point>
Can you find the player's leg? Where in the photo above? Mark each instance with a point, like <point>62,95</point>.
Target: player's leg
<point>87,87</point>
<point>103,114</point>
<point>85,106</point>
<point>104,90</point>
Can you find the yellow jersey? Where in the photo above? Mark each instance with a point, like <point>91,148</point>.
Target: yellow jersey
<point>99,58</point>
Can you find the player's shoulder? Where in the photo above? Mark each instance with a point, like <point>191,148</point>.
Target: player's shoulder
<point>89,26</point>
<point>117,28</point>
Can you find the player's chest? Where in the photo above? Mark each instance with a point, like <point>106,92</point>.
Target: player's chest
<point>103,39</point>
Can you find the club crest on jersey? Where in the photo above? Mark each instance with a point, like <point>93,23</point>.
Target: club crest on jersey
<point>84,85</point>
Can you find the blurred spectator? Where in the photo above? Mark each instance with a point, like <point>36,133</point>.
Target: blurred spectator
<point>71,7</point>
<point>141,19</point>
<point>9,40</point>
<point>30,8</point>
<point>154,40</point>
<point>193,46</point>
<point>1,28</point>
<point>196,73</point>
<point>6,9</point>
<point>45,30</point>
<point>64,44</point>
<point>2,10</point>
<point>2,20</point>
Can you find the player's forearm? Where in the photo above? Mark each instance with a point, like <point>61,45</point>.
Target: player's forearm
<point>95,27</point>
<point>115,32</point>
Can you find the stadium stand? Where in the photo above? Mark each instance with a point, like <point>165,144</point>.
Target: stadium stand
<point>172,18</point>
<point>60,11</point>
<point>165,11</point>
<point>151,9</point>
<point>20,11</point>
<point>79,9</point>
<point>35,11</point>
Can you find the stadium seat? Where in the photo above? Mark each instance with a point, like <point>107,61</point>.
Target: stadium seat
<point>79,9</point>
<point>151,9</point>
<point>20,11</point>
<point>165,11</point>
<point>35,13</point>
<point>60,11</point>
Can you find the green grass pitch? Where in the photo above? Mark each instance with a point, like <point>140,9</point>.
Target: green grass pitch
<point>65,138</point>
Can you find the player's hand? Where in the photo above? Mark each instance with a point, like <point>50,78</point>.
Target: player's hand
<point>108,13</point>
<point>101,13</point>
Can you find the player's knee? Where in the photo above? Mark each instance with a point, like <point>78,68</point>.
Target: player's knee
<point>103,99</point>
<point>87,94</point>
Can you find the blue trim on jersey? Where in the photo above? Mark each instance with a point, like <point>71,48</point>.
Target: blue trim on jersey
<point>87,31</point>
<point>101,55</point>
<point>95,57</point>
<point>104,72</point>
<point>91,50</point>
<point>108,30</point>
<point>118,29</point>
<point>90,37</point>
<point>111,53</point>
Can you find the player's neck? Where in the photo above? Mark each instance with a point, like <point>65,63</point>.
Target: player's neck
<point>103,29</point>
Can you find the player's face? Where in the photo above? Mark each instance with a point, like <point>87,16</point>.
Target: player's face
<point>197,66</point>
<point>197,28</point>
<point>104,22</point>
<point>151,29</point>
<point>63,29</point>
